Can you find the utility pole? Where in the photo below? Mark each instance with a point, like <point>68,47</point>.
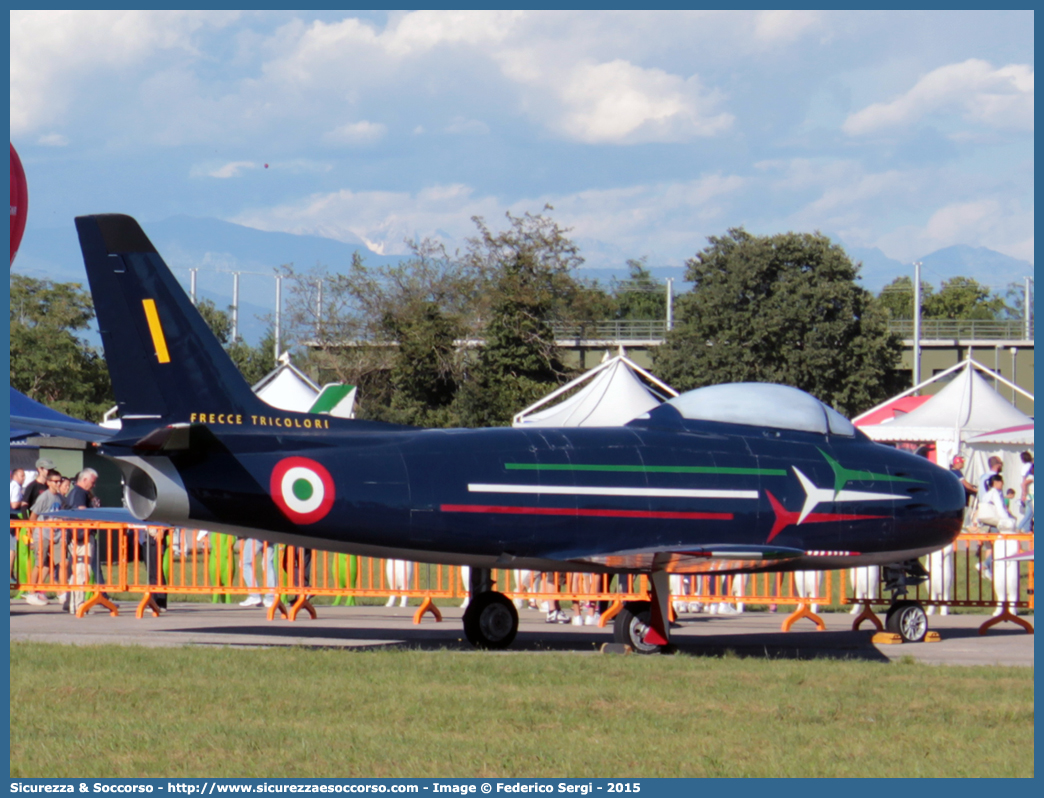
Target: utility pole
<point>1027,332</point>
<point>235,306</point>
<point>278,310</point>
<point>192,285</point>
<point>670,304</point>
<point>917,324</point>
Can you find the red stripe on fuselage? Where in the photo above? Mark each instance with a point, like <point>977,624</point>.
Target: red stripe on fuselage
<point>488,508</point>
<point>785,517</point>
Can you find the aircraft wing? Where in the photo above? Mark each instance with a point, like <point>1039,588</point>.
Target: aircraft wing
<point>102,515</point>
<point>29,417</point>
<point>706,559</point>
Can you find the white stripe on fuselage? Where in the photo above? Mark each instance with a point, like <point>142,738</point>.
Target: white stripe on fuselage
<point>815,496</point>
<point>569,490</point>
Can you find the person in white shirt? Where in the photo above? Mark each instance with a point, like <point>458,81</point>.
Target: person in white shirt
<point>17,478</point>
<point>996,515</point>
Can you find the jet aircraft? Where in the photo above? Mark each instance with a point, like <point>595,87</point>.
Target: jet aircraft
<point>724,479</point>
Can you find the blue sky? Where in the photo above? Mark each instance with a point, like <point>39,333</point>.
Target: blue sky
<point>647,132</point>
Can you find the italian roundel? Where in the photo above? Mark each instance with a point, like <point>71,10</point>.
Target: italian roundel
<point>302,489</point>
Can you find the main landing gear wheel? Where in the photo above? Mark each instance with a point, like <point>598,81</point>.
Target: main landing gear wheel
<point>631,624</point>
<point>908,620</point>
<point>490,621</point>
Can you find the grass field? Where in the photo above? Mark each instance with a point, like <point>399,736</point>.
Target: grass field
<point>127,711</point>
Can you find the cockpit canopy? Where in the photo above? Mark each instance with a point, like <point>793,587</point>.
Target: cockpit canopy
<point>762,404</point>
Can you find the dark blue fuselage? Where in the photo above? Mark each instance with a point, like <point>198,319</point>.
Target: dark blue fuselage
<point>602,498</point>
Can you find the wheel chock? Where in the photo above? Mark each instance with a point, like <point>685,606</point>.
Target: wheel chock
<point>616,648</point>
<point>933,637</point>
<point>887,638</point>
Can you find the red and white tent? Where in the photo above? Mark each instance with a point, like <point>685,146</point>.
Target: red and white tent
<point>966,408</point>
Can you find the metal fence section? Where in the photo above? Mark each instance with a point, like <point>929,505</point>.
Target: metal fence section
<point>963,329</point>
<point>655,330</point>
<point>89,563</point>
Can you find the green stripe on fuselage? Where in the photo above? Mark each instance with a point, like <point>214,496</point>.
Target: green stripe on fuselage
<point>842,475</point>
<point>644,469</point>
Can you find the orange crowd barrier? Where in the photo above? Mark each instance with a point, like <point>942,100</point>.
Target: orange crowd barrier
<point>92,561</point>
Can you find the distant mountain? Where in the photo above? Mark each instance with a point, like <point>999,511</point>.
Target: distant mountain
<point>217,248</point>
<point>987,266</point>
<point>984,265</point>
<point>214,247</point>
<point>878,269</point>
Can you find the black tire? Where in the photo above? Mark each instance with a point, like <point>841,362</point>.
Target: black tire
<point>908,620</point>
<point>630,624</point>
<point>490,621</point>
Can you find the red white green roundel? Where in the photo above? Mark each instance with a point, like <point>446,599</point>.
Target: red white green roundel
<point>303,489</point>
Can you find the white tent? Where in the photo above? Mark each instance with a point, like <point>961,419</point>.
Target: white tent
<point>613,393</point>
<point>964,409</point>
<point>287,387</point>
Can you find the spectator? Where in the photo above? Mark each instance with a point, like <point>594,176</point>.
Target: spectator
<point>81,497</point>
<point>1025,524</point>
<point>44,540</point>
<point>30,492</point>
<point>996,465</point>
<point>957,469</point>
<point>248,554</point>
<point>17,478</point>
<point>994,514</point>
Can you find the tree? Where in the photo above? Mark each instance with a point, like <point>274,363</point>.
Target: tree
<point>958,298</point>
<point>253,362</point>
<point>963,298</point>
<point>783,309</point>
<point>529,286</point>
<point>897,298</point>
<point>640,296</point>
<point>392,330</point>
<point>49,362</point>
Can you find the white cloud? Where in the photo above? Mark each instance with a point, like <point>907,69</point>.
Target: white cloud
<point>1000,98</point>
<point>550,65</point>
<point>663,218</point>
<point>783,26</point>
<point>356,133</point>
<point>225,171</point>
<point>53,140</point>
<point>618,102</point>
<point>54,53</point>
<point>996,222</point>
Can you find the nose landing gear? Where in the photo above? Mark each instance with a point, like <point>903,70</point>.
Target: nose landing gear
<point>905,617</point>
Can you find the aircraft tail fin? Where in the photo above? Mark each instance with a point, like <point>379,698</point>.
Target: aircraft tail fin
<point>165,362</point>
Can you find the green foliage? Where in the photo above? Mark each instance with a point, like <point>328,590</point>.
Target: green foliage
<point>958,298</point>
<point>640,296</point>
<point>530,285</point>
<point>783,309</point>
<point>898,300</point>
<point>253,362</point>
<point>963,298</point>
<point>49,362</point>
<point>219,321</point>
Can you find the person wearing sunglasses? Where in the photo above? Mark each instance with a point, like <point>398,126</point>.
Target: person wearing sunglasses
<point>47,543</point>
